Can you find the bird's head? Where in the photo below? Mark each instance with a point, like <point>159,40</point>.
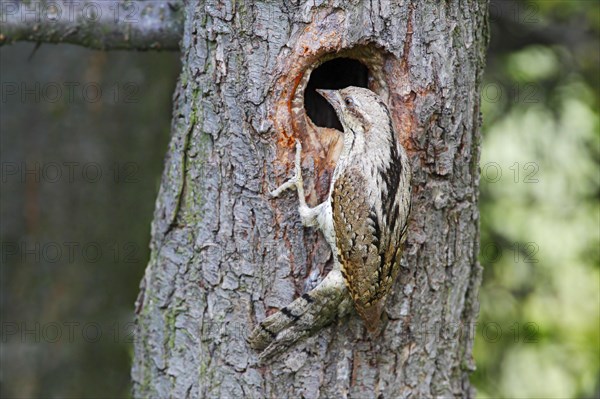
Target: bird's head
<point>360,111</point>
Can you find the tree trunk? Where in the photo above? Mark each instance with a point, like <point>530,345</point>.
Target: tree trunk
<point>225,255</point>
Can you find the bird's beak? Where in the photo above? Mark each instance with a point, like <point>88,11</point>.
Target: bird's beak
<point>333,97</point>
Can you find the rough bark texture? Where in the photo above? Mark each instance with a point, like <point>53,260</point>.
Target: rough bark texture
<point>98,24</point>
<point>224,255</point>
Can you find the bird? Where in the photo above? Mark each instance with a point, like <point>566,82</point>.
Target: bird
<point>364,219</point>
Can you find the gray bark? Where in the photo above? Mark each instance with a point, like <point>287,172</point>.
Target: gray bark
<point>100,24</point>
<point>224,255</point>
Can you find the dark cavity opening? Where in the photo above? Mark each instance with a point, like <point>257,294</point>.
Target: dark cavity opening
<point>335,74</point>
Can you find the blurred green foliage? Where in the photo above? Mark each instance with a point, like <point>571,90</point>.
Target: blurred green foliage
<point>538,329</point>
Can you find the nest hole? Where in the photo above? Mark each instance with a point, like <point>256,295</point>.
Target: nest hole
<point>334,74</point>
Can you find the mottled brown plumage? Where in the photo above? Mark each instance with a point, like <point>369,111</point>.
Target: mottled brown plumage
<point>370,201</point>
<point>364,220</point>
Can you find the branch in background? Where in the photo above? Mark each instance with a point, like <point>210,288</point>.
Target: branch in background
<point>521,24</point>
<point>100,24</point>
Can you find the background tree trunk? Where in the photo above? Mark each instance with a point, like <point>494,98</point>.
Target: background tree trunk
<point>224,255</point>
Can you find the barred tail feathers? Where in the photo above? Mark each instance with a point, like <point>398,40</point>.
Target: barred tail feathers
<point>303,317</point>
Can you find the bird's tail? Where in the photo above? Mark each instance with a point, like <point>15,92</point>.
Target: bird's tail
<point>303,317</point>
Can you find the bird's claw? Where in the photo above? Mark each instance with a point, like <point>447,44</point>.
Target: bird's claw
<point>296,181</point>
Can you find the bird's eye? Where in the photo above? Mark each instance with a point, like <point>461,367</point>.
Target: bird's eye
<point>348,101</point>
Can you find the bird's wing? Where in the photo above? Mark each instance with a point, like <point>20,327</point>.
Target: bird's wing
<point>368,257</point>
